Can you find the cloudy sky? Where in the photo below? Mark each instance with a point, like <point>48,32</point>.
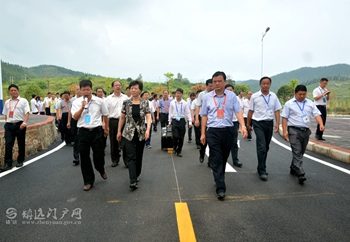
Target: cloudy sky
<point>123,38</point>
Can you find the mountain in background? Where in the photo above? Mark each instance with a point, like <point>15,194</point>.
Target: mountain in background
<point>303,75</point>
<point>17,72</point>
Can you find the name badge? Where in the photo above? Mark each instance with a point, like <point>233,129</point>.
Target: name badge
<point>166,109</point>
<point>87,119</point>
<point>305,119</point>
<point>178,117</point>
<point>220,114</point>
<point>269,112</point>
<point>324,99</point>
<point>54,106</point>
<point>11,114</point>
<point>67,108</point>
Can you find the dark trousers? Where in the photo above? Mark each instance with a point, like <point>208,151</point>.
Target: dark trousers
<point>263,132</point>
<point>234,148</point>
<point>203,147</point>
<point>12,131</point>
<point>163,119</point>
<point>246,124</point>
<point>114,144</point>
<point>189,132</point>
<point>179,129</point>
<point>64,128</point>
<point>197,134</point>
<point>323,111</point>
<point>148,142</point>
<point>134,152</point>
<point>220,143</point>
<point>74,136</point>
<point>47,111</point>
<point>156,122</point>
<point>91,139</point>
<point>298,141</point>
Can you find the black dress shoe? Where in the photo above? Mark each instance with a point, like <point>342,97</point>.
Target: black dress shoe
<point>293,172</point>
<point>322,139</point>
<point>301,179</point>
<point>179,154</point>
<point>174,151</point>
<point>238,164</point>
<point>19,164</point>
<point>209,164</point>
<point>201,159</point>
<point>198,147</point>
<point>221,195</point>
<point>104,176</point>
<point>263,177</point>
<point>6,167</point>
<point>134,185</point>
<point>114,164</point>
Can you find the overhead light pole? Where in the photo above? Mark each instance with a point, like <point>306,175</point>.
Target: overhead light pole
<point>262,50</point>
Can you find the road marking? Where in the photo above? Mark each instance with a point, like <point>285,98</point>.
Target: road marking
<point>313,158</point>
<point>228,168</point>
<point>332,136</point>
<point>184,223</point>
<point>2,174</point>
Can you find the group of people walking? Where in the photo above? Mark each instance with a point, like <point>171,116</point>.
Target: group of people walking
<point>218,115</point>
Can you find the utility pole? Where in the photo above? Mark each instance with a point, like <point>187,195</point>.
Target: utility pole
<point>262,49</point>
<point>48,84</point>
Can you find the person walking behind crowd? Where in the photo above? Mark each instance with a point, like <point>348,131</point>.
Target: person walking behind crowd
<point>202,147</point>
<point>34,105</point>
<point>155,105</point>
<point>100,93</point>
<point>46,104</point>
<point>246,104</point>
<point>296,116</point>
<point>218,107</point>
<point>197,131</point>
<point>234,148</point>
<point>145,96</point>
<point>189,103</point>
<point>179,111</point>
<point>264,106</point>
<point>134,113</point>
<point>114,104</point>
<point>72,124</point>
<point>63,109</point>
<point>39,102</point>
<point>321,97</point>
<point>163,109</point>
<point>87,110</point>
<point>16,111</point>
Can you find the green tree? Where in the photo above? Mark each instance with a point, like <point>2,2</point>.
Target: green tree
<point>293,83</point>
<point>169,79</point>
<point>139,78</point>
<point>285,93</point>
<point>33,89</point>
<point>129,79</point>
<point>241,88</point>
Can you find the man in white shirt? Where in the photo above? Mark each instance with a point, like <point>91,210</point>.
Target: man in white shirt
<point>145,96</point>
<point>16,111</point>
<point>155,105</point>
<point>114,104</point>
<point>321,97</point>
<point>87,110</point>
<point>178,111</point>
<point>189,102</point>
<point>197,131</point>
<point>46,103</point>
<point>246,104</point>
<point>34,105</point>
<point>264,107</point>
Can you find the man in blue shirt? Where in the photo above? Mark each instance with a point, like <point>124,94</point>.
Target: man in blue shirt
<point>217,130</point>
<point>163,109</point>
<point>295,123</point>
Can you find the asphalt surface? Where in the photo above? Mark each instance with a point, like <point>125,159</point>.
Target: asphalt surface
<point>253,210</point>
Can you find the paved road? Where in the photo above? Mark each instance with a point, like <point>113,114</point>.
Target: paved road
<point>277,210</point>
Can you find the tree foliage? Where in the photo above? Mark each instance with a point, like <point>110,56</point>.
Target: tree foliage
<point>241,88</point>
<point>34,89</point>
<point>285,93</point>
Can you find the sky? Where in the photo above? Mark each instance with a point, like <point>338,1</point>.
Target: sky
<point>125,38</point>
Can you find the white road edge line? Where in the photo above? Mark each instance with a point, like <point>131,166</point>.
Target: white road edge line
<point>313,158</point>
<point>2,174</point>
<point>228,167</point>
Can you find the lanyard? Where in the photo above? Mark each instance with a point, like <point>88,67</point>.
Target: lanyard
<point>168,101</point>
<point>267,102</point>
<point>321,90</point>
<point>180,107</point>
<point>88,107</point>
<point>15,105</point>
<point>301,109</point>
<point>223,104</point>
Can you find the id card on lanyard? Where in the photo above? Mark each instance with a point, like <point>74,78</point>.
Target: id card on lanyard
<point>87,116</point>
<point>12,112</point>
<point>220,113</point>
<point>324,97</point>
<point>178,116</point>
<point>304,117</point>
<point>269,110</point>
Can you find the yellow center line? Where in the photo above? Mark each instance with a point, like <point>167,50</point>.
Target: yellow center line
<point>184,223</point>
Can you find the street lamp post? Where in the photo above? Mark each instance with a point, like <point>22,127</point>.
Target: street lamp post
<point>262,49</point>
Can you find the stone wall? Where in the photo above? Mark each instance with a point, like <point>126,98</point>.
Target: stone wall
<point>38,137</point>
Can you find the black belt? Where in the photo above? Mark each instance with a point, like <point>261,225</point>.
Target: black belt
<point>177,120</point>
<point>299,128</point>
<point>91,129</point>
<point>265,121</point>
<point>114,119</point>
<point>220,129</point>
<point>19,122</point>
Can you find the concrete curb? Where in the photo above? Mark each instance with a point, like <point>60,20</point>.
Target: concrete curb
<point>325,149</point>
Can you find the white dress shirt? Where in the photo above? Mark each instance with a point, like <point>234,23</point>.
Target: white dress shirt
<point>259,103</point>
<point>318,91</point>
<point>22,108</point>
<point>115,104</point>
<point>95,108</point>
<point>180,108</point>
<point>246,104</point>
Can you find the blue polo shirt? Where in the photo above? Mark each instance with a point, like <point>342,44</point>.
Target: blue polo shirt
<point>209,108</point>
<point>164,105</point>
